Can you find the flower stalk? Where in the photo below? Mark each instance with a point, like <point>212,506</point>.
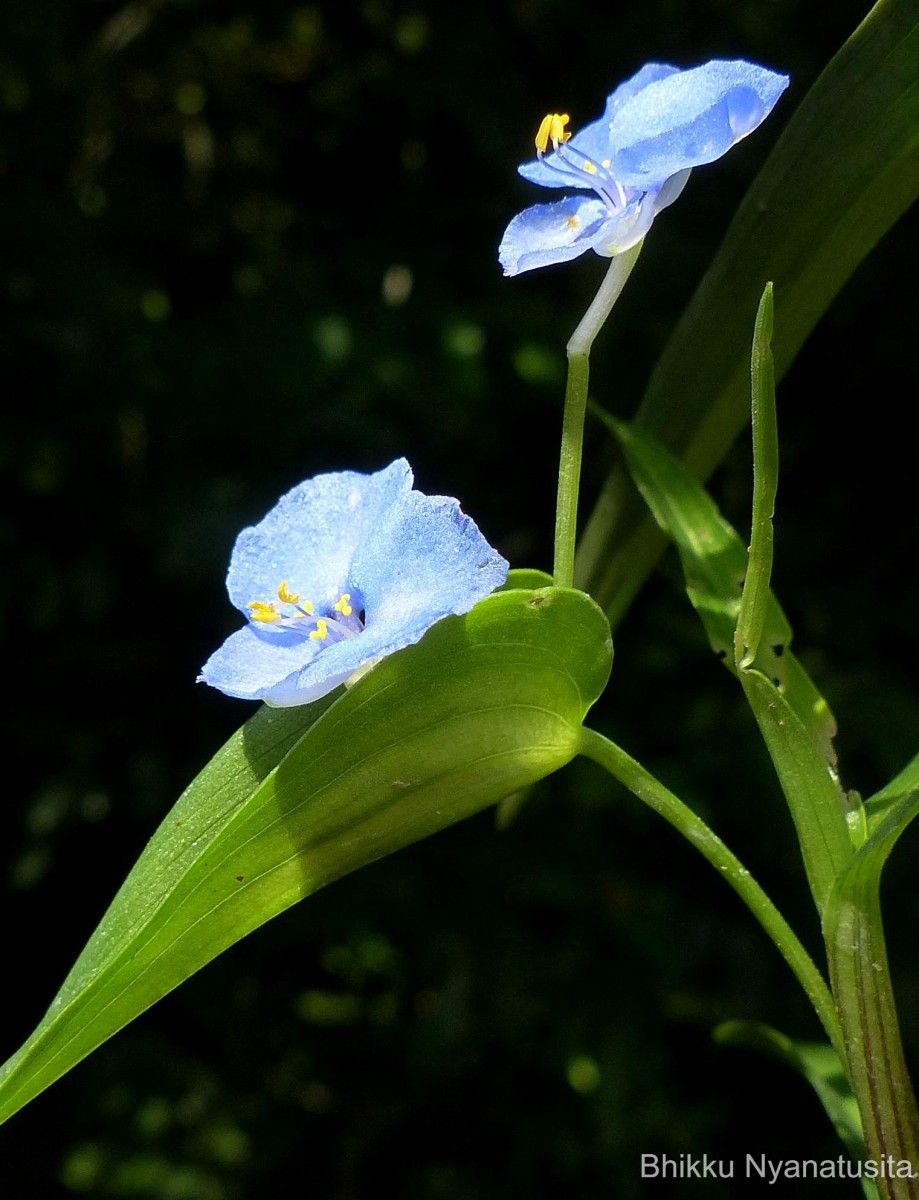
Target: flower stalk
<point>578,351</point>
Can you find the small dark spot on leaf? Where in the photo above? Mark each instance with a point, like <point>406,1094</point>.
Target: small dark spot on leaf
<point>778,649</point>
<point>240,878</point>
<point>537,601</point>
<point>722,654</point>
<point>776,681</point>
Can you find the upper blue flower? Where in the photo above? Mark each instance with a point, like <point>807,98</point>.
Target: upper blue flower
<point>635,159</point>
<point>345,569</point>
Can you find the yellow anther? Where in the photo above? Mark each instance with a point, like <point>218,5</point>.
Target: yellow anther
<point>321,632</point>
<point>589,167</point>
<point>285,595</point>
<point>573,222</point>
<point>343,606</point>
<point>607,163</point>
<point>552,129</point>
<point>306,607</point>
<point>264,612</point>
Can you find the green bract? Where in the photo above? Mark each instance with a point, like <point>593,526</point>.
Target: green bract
<point>485,705</point>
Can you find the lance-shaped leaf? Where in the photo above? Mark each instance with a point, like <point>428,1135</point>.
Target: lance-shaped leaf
<point>484,705</point>
<point>795,720</point>
<point>891,809</point>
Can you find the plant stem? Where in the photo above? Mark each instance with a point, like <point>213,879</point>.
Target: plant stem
<point>643,784</point>
<point>569,471</point>
<point>874,1051</point>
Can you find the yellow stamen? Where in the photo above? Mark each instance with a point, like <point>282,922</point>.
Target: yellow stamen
<point>590,168</point>
<point>264,612</point>
<point>607,163</point>
<point>321,632</point>
<point>343,605</point>
<point>285,595</point>
<point>306,607</point>
<point>552,129</point>
<point>573,222</point>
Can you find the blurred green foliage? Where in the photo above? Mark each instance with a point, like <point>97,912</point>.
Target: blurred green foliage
<point>244,244</point>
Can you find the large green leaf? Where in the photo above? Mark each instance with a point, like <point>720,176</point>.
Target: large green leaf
<point>845,168</point>
<point>485,705</point>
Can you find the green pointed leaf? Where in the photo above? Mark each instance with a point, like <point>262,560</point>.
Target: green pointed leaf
<point>819,1064</point>
<point>795,720</point>
<point>715,562</point>
<point>483,706</point>
<point>754,602</point>
<point>894,806</point>
<point>844,169</point>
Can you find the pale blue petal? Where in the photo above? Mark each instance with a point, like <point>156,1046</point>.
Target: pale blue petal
<point>551,233</point>
<point>649,73</point>
<point>309,538</point>
<point>689,118</point>
<point>250,663</point>
<point>427,562</point>
<point>430,562</point>
<point>671,190</point>
<point>415,560</point>
<point>593,141</point>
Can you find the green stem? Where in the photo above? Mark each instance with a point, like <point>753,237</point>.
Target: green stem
<point>643,784</point>
<point>569,470</point>
<point>874,1050</point>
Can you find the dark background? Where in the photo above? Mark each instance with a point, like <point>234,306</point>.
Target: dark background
<point>244,243</point>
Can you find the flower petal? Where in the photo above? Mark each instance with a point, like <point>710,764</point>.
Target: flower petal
<point>671,190</point>
<point>593,141</point>
<point>250,663</point>
<point>551,233</point>
<point>650,73</point>
<point>412,560</point>
<point>689,118</point>
<point>426,562</point>
<point>309,538</point>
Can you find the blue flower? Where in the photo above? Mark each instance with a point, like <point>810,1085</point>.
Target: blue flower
<point>345,569</point>
<point>635,159</point>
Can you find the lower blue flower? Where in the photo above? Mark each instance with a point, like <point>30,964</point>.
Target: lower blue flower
<point>636,159</point>
<point>344,570</point>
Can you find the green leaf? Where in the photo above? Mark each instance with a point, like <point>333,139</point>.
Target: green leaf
<point>754,602</point>
<point>845,168</point>
<point>859,968</point>
<point>715,562</point>
<point>795,720</point>
<point>483,706</point>
<point>819,1064</point>
<point>891,809</point>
